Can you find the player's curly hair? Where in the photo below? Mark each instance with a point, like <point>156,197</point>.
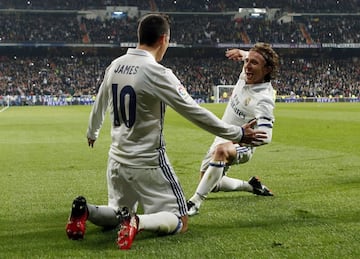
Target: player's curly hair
<point>270,56</point>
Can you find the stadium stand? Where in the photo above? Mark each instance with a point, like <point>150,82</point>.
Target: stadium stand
<point>60,48</point>
<point>188,6</point>
<point>188,29</point>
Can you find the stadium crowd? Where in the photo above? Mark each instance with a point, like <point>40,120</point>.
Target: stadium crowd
<point>188,5</point>
<point>64,76</point>
<point>61,75</point>
<point>187,29</point>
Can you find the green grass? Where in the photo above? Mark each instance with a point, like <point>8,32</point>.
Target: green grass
<point>312,165</point>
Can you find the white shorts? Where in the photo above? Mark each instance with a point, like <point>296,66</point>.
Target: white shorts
<point>154,189</point>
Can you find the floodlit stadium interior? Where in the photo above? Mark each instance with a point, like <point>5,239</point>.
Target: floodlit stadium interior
<point>61,48</point>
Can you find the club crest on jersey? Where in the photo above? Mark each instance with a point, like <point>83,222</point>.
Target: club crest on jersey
<point>247,101</point>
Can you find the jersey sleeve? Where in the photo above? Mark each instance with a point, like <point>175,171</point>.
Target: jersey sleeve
<point>244,56</point>
<point>173,93</point>
<point>265,117</point>
<point>98,111</point>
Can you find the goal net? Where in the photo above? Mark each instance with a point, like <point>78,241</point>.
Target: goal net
<point>4,102</point>
<point>222,93</point>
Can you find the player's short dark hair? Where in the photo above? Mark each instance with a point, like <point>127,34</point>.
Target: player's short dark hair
<point>270,56</point>
<point>152,27</point>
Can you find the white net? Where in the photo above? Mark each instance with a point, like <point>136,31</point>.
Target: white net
<point>222,93</point>
<point>4,103</point>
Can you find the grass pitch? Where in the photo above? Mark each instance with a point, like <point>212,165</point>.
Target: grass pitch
<point>312,166</point>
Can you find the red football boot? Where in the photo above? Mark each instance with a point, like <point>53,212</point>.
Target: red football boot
<point>128,229</point>
<point>76,226</point>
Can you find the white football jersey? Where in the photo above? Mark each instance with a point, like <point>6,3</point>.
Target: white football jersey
<point>248,102</point>
<point>136,89</point>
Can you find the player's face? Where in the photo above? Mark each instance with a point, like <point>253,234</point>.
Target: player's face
<point>255,68</point>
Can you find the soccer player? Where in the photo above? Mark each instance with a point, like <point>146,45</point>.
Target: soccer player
<point>252,98</point>
<point>137,89</point>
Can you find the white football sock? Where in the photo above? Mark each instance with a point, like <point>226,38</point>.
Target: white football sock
<point>104,216</point>
<point>228,184</point>
<point>209,180</point>
<point>161,222</point>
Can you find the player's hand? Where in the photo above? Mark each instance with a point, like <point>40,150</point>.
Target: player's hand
<point>235,54</point>
<point>251,136</point>
<point>91,142</point>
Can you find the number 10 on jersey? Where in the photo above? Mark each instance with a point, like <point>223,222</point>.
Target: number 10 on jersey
<point>124,103</point>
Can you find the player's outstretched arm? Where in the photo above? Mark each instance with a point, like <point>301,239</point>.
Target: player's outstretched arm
<point>236,54</point>
<point>251,136</point>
